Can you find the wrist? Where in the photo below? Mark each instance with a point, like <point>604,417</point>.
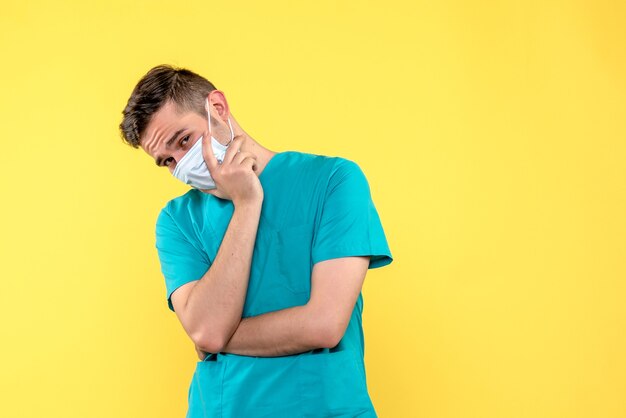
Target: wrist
<point>248,205</point>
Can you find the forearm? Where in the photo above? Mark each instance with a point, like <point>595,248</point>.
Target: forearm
<point>284,332</point>
<point>215,304</point>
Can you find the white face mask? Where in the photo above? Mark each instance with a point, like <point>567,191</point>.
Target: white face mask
<point>192,169</point>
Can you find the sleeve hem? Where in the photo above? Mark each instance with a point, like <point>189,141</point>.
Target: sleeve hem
<point>379,258</point>
<point>173,288</point>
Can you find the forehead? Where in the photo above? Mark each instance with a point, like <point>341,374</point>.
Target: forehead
<point>167,120</point>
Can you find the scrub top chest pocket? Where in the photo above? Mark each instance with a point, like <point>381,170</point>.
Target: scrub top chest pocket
<point>280,274</point>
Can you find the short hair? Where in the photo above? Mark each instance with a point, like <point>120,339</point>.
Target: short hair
<point>161,84</point>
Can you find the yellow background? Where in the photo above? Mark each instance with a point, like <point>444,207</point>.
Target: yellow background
<point>492,134</point>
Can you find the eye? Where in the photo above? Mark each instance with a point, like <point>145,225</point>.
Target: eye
<point>182,142</point>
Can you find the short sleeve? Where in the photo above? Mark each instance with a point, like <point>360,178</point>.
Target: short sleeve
<point>181,262</point>
<point>349,223</point>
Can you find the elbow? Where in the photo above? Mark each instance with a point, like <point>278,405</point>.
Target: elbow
<point>213,337</point>
<point>330,334</point>
<point>332,340</point>
<point>326,327</point>
<point>209,342</point>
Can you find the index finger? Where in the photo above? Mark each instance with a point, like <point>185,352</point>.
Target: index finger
<point>207,153</point>
<point>207,143</point>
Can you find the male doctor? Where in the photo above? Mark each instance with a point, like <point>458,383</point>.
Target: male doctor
<point>264,257</point>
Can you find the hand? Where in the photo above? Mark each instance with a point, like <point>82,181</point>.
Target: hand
<point>235,177</point>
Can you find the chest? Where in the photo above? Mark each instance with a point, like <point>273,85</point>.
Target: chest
<point>281,265</point>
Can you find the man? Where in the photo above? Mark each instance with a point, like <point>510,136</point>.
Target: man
<point>264,257</point>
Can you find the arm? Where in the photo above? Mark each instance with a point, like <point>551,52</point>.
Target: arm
<point>220,294</point>
<point>322,322</point>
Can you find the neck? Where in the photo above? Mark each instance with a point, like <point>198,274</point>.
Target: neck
<point>263,155</point>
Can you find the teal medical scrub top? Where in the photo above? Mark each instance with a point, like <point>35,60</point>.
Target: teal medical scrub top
<point>315,208</point>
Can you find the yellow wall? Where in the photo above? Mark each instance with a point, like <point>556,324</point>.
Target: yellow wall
<point>492,134</point>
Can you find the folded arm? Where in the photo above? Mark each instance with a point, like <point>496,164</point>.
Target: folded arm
<point>322,322</point>
<point>220,294</point>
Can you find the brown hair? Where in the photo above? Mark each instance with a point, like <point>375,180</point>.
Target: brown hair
<point>162,83</point>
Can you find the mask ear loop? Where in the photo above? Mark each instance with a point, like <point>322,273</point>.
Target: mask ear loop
<point>232,132</point>
<point>206,107</point>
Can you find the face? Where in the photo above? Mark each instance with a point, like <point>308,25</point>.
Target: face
<point>170,134</point>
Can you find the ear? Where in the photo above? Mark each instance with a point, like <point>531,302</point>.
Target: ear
<point>218,105</point>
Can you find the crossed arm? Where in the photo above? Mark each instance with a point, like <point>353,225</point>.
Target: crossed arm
<point>322,322</point>
<point>210,308</point>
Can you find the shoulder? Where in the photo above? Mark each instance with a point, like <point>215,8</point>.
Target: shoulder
<point>180,207</point>
<point>190,198</point>
<point>329,170</point>
<point>344,166</point>
<point>347,174</point>
<point>321,164</point>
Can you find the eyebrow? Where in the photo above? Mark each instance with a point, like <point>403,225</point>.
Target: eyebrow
<point>168,143</point>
